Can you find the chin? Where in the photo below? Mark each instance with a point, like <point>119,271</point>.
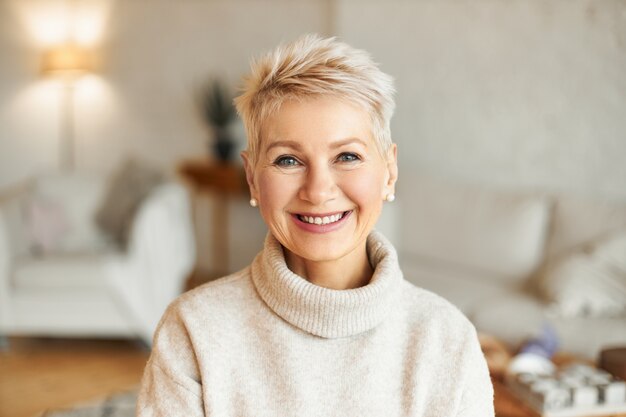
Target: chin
<point>324,250</point>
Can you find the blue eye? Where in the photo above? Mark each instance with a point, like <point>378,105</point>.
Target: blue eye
<point>348,157</point>
<point>286,161</point>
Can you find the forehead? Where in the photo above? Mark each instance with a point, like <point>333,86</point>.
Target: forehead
<point>317,122</point>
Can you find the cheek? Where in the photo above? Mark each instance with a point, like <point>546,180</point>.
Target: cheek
<point>275,191</point>
<point>365,189</point>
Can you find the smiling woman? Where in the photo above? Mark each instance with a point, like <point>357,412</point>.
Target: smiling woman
<point>319,161</point>
<point>322,323</point>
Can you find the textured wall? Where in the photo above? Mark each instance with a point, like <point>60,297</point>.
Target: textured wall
<point>512,93</point>
<point>516,93</point>
<point>154,54</point>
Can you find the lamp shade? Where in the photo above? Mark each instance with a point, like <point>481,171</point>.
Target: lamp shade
<point>67,60</point>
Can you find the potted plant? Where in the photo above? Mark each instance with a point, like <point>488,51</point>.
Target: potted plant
<point>216,105</point>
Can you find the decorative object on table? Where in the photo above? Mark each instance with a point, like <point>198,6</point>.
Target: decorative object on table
<point>117,405</point>
<point>574,390</point>
<point>613,360</point>
<point>67,62</point>
<point>578,390</point>
<point>216,105</point>
<point>535,354</point>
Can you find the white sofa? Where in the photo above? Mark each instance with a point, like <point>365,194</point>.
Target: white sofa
<point>486,249</point>
<point>87,286</point>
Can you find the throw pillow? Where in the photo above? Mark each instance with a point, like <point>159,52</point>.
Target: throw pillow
<point>612,252</point>
<point>77,194</point>
<point>129,185</point>
<point>47,224</point>
<point>588,283</point>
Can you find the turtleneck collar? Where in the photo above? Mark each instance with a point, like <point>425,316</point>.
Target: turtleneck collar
<point>323,311</point>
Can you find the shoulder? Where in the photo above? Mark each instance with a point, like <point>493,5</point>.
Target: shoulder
<point>236,284</point>
<point>428,311</point>
<point>214,300</point>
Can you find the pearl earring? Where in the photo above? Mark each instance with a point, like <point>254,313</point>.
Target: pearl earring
<point>253,202</point>
<point>390,197</point>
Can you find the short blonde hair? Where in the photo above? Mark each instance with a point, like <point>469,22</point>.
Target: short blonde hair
<point>311,67</point>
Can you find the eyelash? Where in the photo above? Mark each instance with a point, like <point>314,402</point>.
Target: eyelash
<point>353,157</point>
<point>280,161</point>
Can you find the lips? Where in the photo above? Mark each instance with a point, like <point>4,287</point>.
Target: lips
<point>321,219</point>
<point>321,223</point>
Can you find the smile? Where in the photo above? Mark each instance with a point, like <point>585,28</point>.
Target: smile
<point>321,219</point>
<point>321,223</point>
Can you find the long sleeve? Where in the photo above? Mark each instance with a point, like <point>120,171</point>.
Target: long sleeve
<point>171,382</point>
<point>477,394</point>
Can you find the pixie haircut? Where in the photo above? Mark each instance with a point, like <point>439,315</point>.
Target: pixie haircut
<point>313,67</point>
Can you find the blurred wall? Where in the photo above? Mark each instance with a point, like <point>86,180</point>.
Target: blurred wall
<point>509,93</point>
<point>154,55</point>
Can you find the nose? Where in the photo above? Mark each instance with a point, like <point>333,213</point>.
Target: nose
<point>319,185</point>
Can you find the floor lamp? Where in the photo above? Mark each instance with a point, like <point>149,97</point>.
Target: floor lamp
<point>67,62</point>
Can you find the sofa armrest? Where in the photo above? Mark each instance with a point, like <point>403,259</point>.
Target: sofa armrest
<point>11,243</point>
<point>5,268</point>
<point>160,254</point>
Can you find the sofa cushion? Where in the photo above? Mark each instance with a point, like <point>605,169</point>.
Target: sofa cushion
<point>612,251</point>
<point>515,316</point>
<point>588,283</point>
<point>76,195</point>
<point>578,221</point>
<point>463,287</point>
<point>587,336</point>
<point>63,271</point>
<point>47,225</point>
<point>512,317</point>
<point>499,232</point>
<point>128,186</point>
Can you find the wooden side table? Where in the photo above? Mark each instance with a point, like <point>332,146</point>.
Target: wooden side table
<point>225,182</point>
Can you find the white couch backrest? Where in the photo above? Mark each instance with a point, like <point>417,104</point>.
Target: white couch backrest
<point>579,221</point>
<point>495,231</point>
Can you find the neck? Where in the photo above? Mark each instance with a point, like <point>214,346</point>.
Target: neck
<point>351,271</point>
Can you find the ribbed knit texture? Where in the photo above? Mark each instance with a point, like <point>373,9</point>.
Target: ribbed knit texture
<point>322,311</point>
<point>265,342</point>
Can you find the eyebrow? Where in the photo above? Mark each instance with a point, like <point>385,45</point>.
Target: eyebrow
<point>296,145</point>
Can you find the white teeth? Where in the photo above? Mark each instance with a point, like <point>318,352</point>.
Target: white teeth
<point>322,220</point>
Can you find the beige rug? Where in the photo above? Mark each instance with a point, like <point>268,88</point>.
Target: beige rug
<point>117,405</point>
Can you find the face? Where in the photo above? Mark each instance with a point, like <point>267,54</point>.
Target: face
<point>320,179</point>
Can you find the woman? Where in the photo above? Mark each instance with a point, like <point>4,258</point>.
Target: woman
<point>322,323</point>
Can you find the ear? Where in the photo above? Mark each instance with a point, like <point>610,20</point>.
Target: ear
<point>249,168</point>
<point>392,169</point>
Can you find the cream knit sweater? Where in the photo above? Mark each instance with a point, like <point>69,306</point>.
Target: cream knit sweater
<point>266,342</point>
